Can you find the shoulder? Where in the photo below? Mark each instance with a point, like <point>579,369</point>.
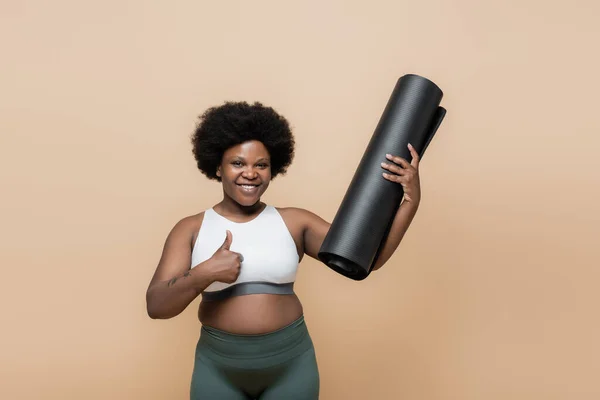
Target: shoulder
<point>310,228</point>
<point>300,215</point>
<point>190,221</point>
<point>295,212</point>
<point>187,228</point>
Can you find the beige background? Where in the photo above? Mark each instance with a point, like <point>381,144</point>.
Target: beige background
<point>492,294</point>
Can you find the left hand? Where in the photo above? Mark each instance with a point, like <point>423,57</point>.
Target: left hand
<point>406,174</point>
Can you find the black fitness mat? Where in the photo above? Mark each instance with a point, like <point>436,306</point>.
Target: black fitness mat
<point>364,217</point>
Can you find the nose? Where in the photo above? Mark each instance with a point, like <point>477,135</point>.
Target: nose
<point>249,173</point>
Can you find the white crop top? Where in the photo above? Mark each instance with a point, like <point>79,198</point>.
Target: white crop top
<point>270,257</point>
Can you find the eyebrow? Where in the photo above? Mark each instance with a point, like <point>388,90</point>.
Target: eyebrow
<point>262,159</point>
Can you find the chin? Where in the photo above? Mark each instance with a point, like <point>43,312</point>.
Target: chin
<point>247,202</point>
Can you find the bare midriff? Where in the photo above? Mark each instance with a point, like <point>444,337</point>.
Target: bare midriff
<point>251,314</point>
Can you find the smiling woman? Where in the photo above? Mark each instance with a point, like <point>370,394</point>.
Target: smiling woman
<point>242,255</point>
<point>245,172</point>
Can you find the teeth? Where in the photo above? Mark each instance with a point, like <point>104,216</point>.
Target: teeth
<point>248,186</point>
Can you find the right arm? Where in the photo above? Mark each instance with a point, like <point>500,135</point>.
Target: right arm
<point>174,284</point>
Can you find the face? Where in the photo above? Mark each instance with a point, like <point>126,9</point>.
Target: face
<point>245,172</point>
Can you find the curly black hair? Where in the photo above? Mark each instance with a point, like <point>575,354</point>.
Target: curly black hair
<point>222,127</point>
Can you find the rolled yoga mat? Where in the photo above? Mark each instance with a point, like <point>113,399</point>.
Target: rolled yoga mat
<point>362,222</point>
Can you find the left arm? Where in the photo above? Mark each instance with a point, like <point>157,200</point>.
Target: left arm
<point>407,174</point>
<point>399,171</point>
<point>402,221</point>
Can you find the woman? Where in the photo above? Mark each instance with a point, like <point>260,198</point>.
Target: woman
<point>242,255</point>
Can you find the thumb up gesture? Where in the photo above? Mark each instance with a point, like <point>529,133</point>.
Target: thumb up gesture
<point>226,264</point>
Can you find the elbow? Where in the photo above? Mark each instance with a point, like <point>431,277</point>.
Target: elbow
<point>153,313</point>
<point>157,313</point>
<point>155,310</point>
<point>381,261</point>
<point>378,264</point>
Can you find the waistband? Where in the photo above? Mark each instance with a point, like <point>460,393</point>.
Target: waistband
<point>244,288</point>
<point>255,350</point>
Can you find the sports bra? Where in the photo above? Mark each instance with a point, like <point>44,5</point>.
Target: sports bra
<point>270,257</point>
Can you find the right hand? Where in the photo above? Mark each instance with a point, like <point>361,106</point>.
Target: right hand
<point>226,264</point>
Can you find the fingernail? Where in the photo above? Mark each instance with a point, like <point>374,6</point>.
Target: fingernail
<point>388,155</point>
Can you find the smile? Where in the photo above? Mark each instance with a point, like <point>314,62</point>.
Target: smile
<point>249,188</point>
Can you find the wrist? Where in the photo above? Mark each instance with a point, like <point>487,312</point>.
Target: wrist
<point>411,205</point>
<point>203,275</point>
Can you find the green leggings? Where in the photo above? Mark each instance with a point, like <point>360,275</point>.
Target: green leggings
<point>275,365</point>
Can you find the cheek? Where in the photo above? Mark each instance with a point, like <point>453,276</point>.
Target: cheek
<point>228,177</point>
<point>228,173</point>
<point>266,176</point>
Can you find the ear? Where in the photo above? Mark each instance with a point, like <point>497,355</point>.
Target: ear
<point>219,171</point>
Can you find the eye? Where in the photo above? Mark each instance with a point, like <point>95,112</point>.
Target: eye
<point>263,165</point>
<point>237,163</point>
